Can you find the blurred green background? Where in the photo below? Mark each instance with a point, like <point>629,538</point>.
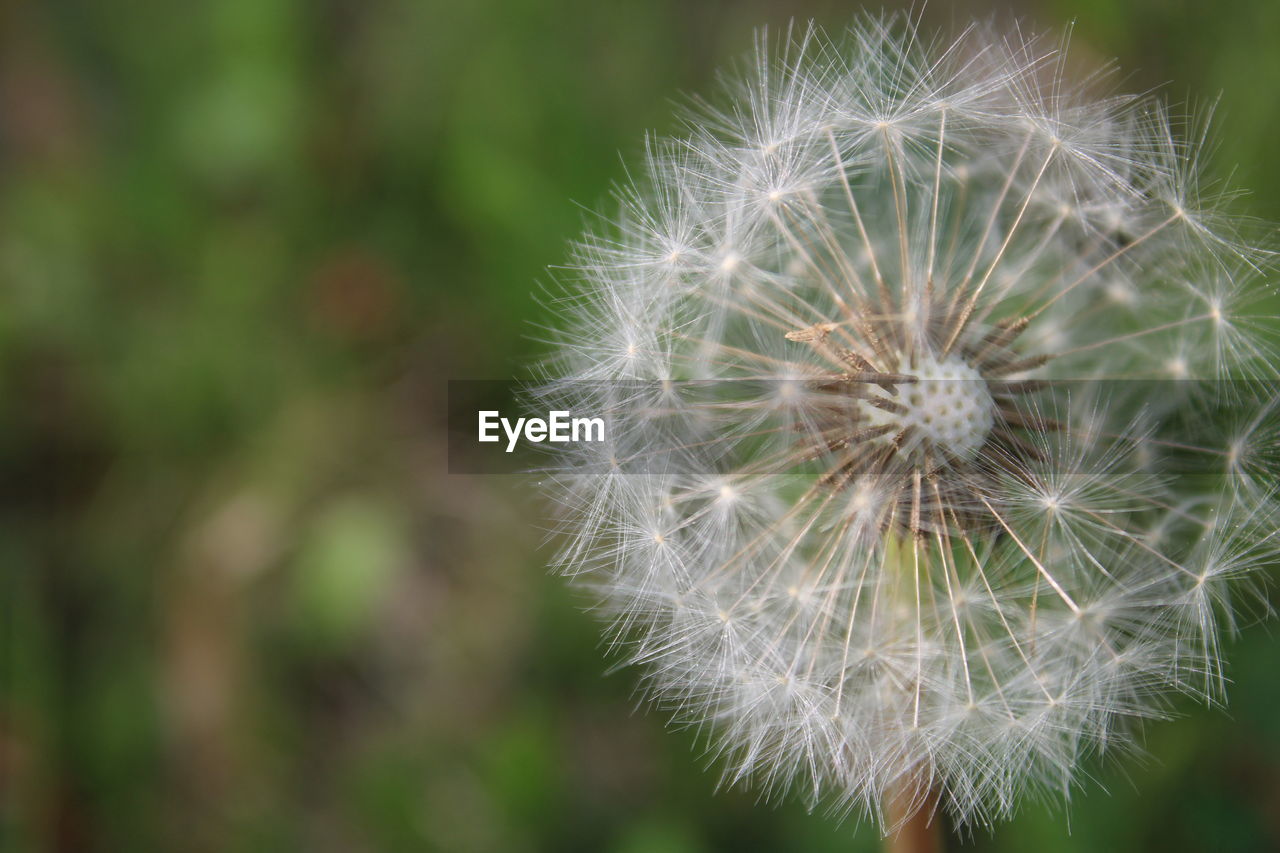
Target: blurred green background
<point>243,606</point>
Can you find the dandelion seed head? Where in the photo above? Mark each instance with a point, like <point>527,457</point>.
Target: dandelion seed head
<point>892,505</point>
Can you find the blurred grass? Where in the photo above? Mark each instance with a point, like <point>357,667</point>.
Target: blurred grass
<point>242,245</point>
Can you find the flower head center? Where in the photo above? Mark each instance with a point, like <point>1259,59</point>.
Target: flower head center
<point>948,408</point>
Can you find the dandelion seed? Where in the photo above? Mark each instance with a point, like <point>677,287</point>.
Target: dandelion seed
<point>897,503</point>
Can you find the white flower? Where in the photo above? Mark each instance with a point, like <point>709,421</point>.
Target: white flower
<point>965,522</point>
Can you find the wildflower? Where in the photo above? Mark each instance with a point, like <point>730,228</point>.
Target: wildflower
<point>909,498</point>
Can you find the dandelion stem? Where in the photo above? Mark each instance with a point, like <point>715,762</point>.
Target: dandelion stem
<point>913,814</point>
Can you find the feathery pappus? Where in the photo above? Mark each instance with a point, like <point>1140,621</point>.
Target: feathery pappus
<point>941,420</point>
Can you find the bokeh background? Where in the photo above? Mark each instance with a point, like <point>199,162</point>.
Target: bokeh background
<point>243,245</point>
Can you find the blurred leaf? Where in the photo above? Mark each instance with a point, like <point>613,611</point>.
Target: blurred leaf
<point>347,563</point>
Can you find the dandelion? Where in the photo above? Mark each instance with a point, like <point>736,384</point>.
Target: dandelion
<point>915,494</point>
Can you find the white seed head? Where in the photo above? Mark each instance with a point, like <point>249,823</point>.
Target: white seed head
<point>899,495</point>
